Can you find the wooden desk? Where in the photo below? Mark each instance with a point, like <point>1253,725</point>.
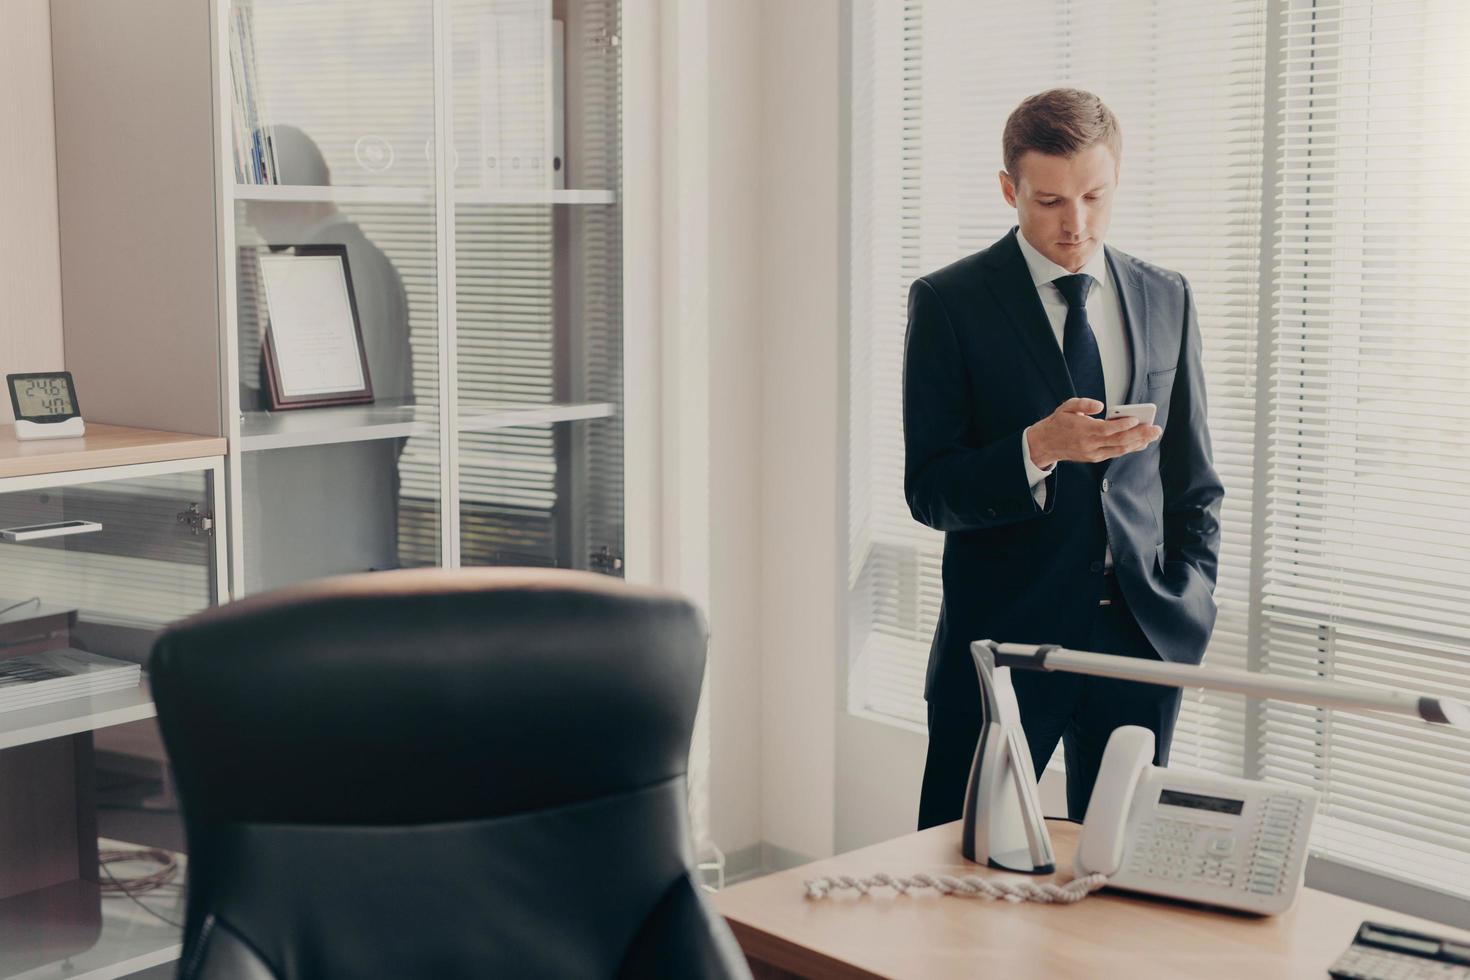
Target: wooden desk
<point>1108,934</point>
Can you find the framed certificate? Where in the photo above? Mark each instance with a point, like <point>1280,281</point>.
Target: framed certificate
<point>312,343</point>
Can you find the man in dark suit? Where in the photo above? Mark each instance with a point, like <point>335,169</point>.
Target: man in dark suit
<point>1060,526</point>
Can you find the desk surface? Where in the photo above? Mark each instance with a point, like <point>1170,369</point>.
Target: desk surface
<point>1109,934</point>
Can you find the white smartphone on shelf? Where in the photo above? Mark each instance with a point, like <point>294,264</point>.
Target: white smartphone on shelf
<point>1143,411</point>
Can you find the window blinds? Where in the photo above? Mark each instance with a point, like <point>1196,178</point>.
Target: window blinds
<point>932,85</point>
<point>1367,563</point>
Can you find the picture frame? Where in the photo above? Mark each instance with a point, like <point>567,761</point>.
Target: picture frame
<point>312,348</point>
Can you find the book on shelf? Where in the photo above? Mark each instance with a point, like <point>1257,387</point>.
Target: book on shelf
<point>255,157</point>
<point>34,679</point>
<point>522,97</point>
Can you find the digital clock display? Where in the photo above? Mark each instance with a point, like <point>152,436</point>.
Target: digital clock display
<point>43,396</point>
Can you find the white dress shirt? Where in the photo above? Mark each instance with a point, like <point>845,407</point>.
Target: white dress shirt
<point>1104,314</point>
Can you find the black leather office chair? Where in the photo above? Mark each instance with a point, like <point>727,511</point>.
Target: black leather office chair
<point>440,774</point>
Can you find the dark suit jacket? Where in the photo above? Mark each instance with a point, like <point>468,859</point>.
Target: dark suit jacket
<point>981,363</point>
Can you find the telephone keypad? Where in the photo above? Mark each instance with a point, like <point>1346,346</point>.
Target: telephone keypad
<point>1180,850</point>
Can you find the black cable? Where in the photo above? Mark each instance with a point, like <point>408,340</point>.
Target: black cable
<point>24,602</point>
<point>168,866</point>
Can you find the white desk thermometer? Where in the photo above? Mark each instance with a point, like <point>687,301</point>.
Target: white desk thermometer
<point>45,405</point>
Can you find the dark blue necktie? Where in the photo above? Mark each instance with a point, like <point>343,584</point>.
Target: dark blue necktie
<point>1079,346</point>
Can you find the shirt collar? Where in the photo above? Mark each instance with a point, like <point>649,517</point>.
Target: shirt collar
<point>1044,270</point>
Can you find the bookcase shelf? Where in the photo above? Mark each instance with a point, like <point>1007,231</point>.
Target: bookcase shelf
<point>339,194</point>
<point>568,196</point>
<point>364,423</point>
<point>326,426</point>
<point>74,715</point>
<point>486,418</point>
<point>346,194</point>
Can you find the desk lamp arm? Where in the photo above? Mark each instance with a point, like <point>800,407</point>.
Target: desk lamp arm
<point>1321,693</point>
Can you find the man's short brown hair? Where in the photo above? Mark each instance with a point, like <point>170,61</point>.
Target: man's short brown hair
<point>1059,122</point>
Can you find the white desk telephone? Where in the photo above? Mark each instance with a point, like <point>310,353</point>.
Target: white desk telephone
<point>1198,836</point>
<point>1220,840</point>
<point>1177,833</point>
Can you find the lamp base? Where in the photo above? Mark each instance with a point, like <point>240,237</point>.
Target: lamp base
<point>1002,825</point>
<point>1020,863</point>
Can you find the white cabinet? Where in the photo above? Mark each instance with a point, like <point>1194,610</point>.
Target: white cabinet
<point>468,155</point>
<point>152,555</point>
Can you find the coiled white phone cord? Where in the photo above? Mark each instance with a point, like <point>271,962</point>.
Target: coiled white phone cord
<point>970,886</point>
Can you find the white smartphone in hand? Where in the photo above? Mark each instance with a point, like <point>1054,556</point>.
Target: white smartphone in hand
<point>1143,411</point>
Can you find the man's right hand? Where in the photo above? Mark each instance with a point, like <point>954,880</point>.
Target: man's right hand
<point>1071,433</point>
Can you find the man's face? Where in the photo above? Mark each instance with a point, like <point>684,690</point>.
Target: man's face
<point>1064,204</point>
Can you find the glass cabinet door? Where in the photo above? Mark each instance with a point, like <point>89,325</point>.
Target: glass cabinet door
<point>113,561</point>
<point>498,406</point>
<point>334,135</point>
<point>538,282</point>
<point>94,564</point>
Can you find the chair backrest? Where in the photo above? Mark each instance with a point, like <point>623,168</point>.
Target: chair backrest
<point>438,774</point>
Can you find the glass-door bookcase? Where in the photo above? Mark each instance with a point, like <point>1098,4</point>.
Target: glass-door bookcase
<point>461,159</point>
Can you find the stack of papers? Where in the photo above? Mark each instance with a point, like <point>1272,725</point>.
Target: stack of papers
<point>59,675</point>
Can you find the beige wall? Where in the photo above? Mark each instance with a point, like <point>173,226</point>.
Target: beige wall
<point>736,560</point>
<point>139,259</point>
<point>800,486</point>
<point>30,264</point>
<point>770,143</point>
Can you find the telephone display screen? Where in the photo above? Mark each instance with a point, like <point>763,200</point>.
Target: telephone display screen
<point>1215,804</point>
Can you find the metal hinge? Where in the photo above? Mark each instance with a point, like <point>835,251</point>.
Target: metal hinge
<point>199,522</point>
<point>604,561</point>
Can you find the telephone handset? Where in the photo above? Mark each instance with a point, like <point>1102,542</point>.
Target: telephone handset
<point>1198,836</point>
<point>1100,845</point>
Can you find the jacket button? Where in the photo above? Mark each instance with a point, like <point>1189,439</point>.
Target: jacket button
<point>1096,566</point>
<point>1105,485</point>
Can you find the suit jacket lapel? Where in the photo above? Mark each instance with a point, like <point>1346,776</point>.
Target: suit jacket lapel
<point>1135,318</point>
<point>1009,278</point>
